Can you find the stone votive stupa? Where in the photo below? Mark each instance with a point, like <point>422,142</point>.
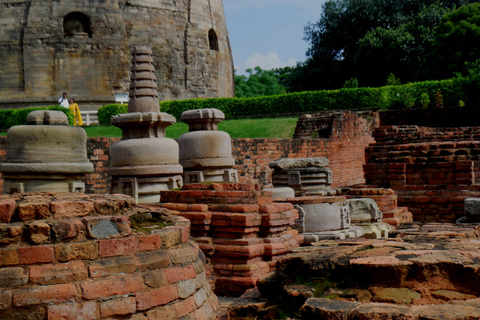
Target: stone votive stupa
<point>307,176</point>
<point>144,161</point>
<point>45,155</point>
<point>205,152</point>
<point>322,214</point>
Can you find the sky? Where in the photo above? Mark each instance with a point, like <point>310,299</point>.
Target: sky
<point>269,33</point>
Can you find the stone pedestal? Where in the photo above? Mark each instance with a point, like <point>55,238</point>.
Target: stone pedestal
<point>144,162</point>
<point>308,176</point>
<point>46,155</point>
<point>323,218</point>
<point>205,152</point>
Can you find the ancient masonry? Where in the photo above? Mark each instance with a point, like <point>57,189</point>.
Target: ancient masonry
<point>144,161</point>
<point>83,47</point>
<point>98,257</point>
<point>239,228</point>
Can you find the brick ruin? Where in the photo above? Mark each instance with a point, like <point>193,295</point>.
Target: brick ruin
<point>432,170</point>
<point>98,257</point>
<point>240,231</point>
<point>83,47</point>
<point>239,228</point>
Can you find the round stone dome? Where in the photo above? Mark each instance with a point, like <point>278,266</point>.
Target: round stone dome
<point>205,149</point>
<point>142,152</point>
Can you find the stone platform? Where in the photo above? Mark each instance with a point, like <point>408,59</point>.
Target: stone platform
<point>428,271</point>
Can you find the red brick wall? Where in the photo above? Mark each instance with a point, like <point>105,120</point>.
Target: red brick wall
<point>432,169</point>
<point>345,147</point>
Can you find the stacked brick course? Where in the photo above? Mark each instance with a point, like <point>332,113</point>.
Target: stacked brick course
<point>98,152</point>
<point>65,256</point>
<point>431,169</point>
<point>238,227</point>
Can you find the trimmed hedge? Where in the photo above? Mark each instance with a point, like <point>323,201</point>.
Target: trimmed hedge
<point>107,111</point>
<point>417,94</point>
<point>16,117</point>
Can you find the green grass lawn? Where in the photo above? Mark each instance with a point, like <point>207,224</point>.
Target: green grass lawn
<point>244,128</point>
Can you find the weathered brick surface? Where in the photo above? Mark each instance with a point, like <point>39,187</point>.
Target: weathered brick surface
<point>67,266</point>
<point>236,235</point>
<point>432,170</point>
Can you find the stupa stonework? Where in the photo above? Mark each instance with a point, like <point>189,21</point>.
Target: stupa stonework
<point>83,47</point>
<point>144,161</point>
<point>46,155</point>
<point>205,152</point>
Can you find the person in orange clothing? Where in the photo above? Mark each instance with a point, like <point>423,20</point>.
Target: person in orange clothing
<point>75,110</point>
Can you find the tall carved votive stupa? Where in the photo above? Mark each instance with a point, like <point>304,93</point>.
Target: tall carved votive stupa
<point>144,161</point>
<point>205,152</point>
<point>46,155</point>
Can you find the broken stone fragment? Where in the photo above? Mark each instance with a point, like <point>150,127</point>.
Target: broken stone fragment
<point>47,117</point>
<point>286,163</point>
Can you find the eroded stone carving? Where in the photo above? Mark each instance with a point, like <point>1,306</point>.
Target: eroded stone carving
<point>307,176</point>
<point>144,161</point>
<point>205,152</point>
<point>46,155</point>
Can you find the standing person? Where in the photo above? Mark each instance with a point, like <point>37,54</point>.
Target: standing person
<point>63,101</point>
<point>75,110</point>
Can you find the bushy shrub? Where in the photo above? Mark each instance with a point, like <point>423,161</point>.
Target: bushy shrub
<point>420,94</point>
<point>108,111</point>
<point>16,117</point>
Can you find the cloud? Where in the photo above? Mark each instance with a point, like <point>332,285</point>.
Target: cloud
<point>266,62</point>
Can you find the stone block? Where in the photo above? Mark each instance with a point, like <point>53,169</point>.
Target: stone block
<point>472,209</point>
<point>45,294</point>
<point>176,274</point>
<point>12,277</point>
<point>81,311</point>
<point>111,287</point>
<point>58,273</point>
<point>38,232</point>
<point>118,247</point>
<point>67,229</point>
<point>77,251</point>
<point>7,209</point>
<point>107,227</point>
<point>153,260</point>
<point>118,307</point>
<point>112,266</point>
<point>156,297</point>
<point>37,254</point>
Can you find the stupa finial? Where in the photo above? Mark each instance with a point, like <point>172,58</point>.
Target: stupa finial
<point>143,83</point>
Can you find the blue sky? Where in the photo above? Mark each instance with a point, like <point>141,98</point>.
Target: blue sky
<point>269,33</point>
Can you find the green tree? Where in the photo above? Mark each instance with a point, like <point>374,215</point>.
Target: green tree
<point>258,83</point>
<point>369,39</point>
<point>455,45</point>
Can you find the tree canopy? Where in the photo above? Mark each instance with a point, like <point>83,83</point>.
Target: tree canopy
<point>370,39</point>
<point>258,83</point>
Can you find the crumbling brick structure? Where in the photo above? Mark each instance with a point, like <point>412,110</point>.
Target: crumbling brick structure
<point>70,254</point>
<point>238,227</point>
<point>432,170</point>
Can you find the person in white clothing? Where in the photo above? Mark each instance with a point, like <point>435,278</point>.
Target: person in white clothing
<point>63,101</point>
